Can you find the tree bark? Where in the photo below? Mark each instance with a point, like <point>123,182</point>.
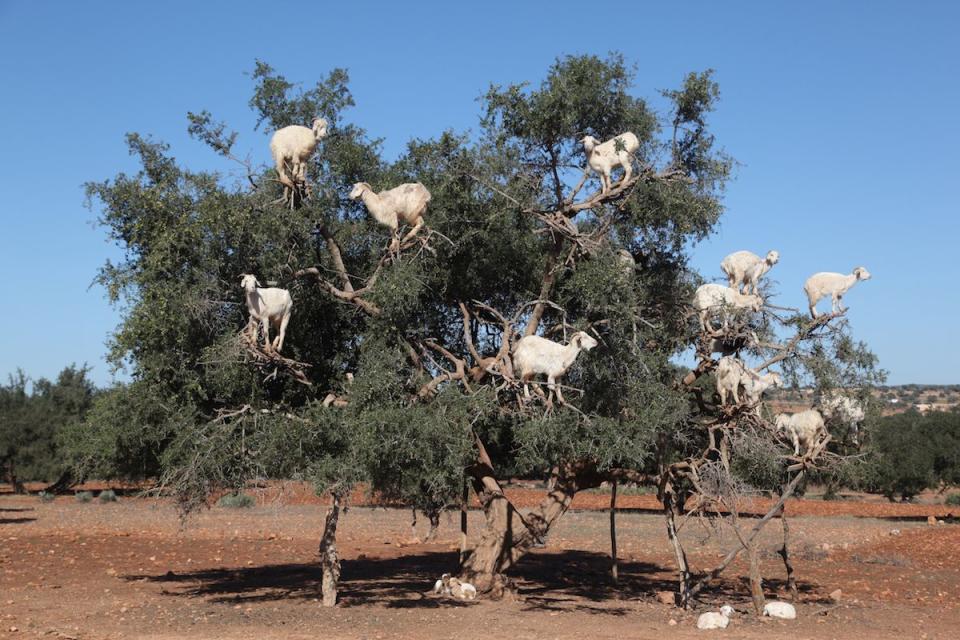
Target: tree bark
<point>756,580</point>
<point>614,569</point>
<point>785,554</point>
<point>509,535</point>
<point>463,525</point>
<point>329,560</point>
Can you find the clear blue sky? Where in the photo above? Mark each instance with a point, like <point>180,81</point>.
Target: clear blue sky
<point>842,115</point>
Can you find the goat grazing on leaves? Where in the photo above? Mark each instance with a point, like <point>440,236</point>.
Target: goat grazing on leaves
<point>602,158</point>
<point>293,146</point>
<point>733,373</point>
<point>405,203</point>
<point>533,355</point>
<point>744,269</point>
<point>804,429</point>
<point>269,306</point>
<point>846,410</point>
<point>710,298</point>
<point>835,285</point>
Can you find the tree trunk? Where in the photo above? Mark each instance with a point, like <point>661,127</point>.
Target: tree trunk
<point>785,554</point>
<point>756,581</point>
<point>670,511</point>
<point>509,535</point>
<point>329,559</point>
<point>18,487</point>
<point>64,482</point>
<point>463,524</point>
<point>614,569</point>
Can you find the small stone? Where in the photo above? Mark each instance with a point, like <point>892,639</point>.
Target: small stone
<point>931,520</point>
<point>941,522</point>
<point>665,597</point>
<point>836,594</point>
<point>672,622</point>
<point>894,532</point>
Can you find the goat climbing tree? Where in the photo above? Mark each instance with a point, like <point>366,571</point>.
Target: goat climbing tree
<point>519,240</point>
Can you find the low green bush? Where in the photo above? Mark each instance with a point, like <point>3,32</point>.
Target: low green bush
<point>236,501</point>
<point>953,500</point>
<point>107,495</point>
<point>84,496</point>
<point>46,496</point>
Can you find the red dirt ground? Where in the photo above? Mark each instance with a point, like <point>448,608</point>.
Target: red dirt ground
<point>130,570</point>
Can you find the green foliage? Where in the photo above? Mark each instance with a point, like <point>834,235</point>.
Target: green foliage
<point>952,500</point>
<point>107,495</point>
<point>911,452</point>
<point>35,415</point>
<point>236,501</point>
<point>200,417</point>
<point>46,496</point>
<point>83,496</point>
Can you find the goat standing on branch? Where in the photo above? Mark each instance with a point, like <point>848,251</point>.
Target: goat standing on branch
<point>835,285</point>
<point>269,306</point>
<point>533,355</point>
<point>711,298</point>
<point>744,269</point>
<point>293,146</point>
<point>617,152</point>
<point>405,203</point>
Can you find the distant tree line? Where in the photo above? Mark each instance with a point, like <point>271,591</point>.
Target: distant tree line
<point>48,429</point>
<point>37,418</point>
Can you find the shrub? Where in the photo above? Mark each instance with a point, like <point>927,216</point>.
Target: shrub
<point>953,500</point>
<point>84,496</point>
<point>107,496</point>
<point>46,496</point>
<point>236,501</point>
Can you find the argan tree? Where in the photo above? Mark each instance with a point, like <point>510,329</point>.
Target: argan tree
<point>397,369</point>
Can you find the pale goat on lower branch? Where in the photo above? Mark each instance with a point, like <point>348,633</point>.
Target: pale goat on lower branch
<point>712,298</point>
<point>268,306</point>
<point>843,409</point>
<point>744,269</point>
<point>835,285</point>
<point>534,355</point>
<point>406,203</point>
<point>603,157</point>
<point>732,373</point>
<point>803,428</point>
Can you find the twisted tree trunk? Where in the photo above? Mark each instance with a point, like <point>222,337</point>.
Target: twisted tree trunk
<point>329,560</point>
<point>509,535</point>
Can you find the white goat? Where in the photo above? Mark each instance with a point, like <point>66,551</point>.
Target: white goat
<point>714,297</point>
<point>533,355</point>
<point>602,158</point>
<point>846,410</point>
<point>405,203</point>
<point>269,306</point>
<point>627,263</point>
<point>776,609</point>
<point>732,373</point>
<point>715,620</point>
<point>804,428</point>
<point>744,269</point>
<point>835,285</point>
<point>461,590</point>
<point>447,585</point>
<point>294,145</point>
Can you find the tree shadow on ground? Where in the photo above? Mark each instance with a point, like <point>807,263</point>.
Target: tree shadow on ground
<point>560,581</point>
<point>16,520</point>
<point>16,509</point>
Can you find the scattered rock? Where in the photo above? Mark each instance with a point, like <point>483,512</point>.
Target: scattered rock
<point>894,532</point>
<point>666,597</point>
<point>836,594</point>
<point>931,520</point>
<point>672,622</point>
